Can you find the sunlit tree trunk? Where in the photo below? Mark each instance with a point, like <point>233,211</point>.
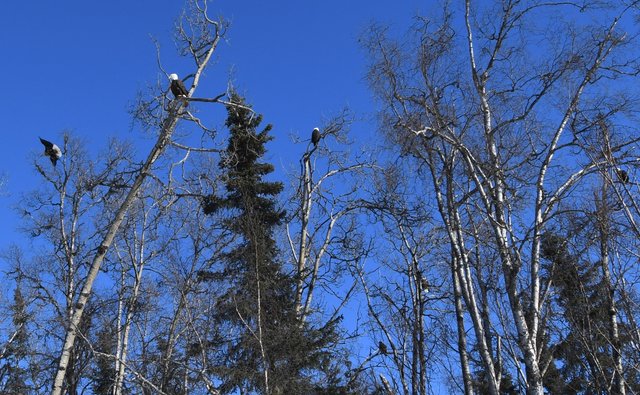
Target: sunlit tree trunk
<point>164,137</point>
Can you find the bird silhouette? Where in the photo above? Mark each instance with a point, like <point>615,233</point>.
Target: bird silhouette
<point>382,348</point>
<point>424,284</point>
<point>623,176</point>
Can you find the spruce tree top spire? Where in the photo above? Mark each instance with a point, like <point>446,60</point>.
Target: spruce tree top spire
<point>246,146</point>
<point>273,351</point>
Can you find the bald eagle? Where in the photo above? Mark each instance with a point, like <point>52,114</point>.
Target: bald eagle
<point>623,176</point>
<point>177,87</point>
<point>424,284</point>
<point>315,137</point>
<point>382,348</point>
<point>51,150</point>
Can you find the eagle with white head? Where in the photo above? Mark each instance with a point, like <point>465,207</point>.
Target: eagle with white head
<point>51,150</point>
<point>177,87</point>
<point>315,136</point>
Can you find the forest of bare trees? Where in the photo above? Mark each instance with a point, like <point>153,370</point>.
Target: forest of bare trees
<point>487,244</point>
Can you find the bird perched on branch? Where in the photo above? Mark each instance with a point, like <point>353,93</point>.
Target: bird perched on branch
<point>623,176</point>
<point>315,137</point>
<point>177,87</point>
<point>424,284</point>
<point>382,348</point>
<point>51,150</point>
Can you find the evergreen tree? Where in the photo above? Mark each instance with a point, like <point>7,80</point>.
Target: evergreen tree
<point>584,352</point>
<point>12,371</point>
<point>270,351</point>
<point>104,371</point>
<point>482,387</point>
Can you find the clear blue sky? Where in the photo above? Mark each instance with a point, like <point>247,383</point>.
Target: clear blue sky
<point>77,65</point>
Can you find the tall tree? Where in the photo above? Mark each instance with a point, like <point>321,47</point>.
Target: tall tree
<point>273,349</point>
<point>104,374</point>
<point>198,38</point>
<point>499,120</point>
<point>13,375</point>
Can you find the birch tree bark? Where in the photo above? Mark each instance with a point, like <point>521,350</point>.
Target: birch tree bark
<point>207,42</point>
<point>319,211</point>
<point>498,127</point>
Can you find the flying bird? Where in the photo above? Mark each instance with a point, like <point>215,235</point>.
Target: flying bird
<point>315,137</point>
<point>623,176</point>
<point>382,347</point>
<point>177,87</point>
<point>51,150</point>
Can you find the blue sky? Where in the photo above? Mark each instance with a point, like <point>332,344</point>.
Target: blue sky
<point>77,65</point>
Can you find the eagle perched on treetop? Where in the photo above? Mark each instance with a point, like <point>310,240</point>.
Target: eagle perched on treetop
<point>315,137</point>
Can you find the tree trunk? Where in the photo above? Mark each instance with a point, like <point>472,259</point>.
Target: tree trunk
<point>462,334</point>
<point>604,230</point>
<point>201,59</point>
<point>72,330</point>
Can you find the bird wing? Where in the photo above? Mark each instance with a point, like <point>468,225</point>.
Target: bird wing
<point>178,88</point>
<point>47,144</point>
<point>182,88</point>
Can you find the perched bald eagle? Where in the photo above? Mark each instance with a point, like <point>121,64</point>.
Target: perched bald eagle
<point>382,348</point>
<point>623,176</point>
<point>177,86</point>
<point>424,284</point>
<point>315,137</point>
<point>51,150</point>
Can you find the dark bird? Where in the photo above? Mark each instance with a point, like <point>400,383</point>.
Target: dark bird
<point>623,176</point>
<point>424,284</point>
<point>177,87</point>
<point>382,348</point>
<point>315,137</point>
<point>51,150</point>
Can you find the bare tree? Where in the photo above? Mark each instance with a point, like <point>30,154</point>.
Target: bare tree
<point>322,205</point>
<point>59,214</point>
<point>199,35</point>
<point>604,216</point>
<point>402,287</point>
<point>499,125</point>
<point>617,214</point>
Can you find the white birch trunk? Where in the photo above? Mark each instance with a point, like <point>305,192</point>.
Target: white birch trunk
<point>112,229</point>
<point>162,141</point>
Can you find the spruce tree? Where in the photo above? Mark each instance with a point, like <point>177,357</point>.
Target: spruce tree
<point>13,375</point>
<point>104,371</point>
<point>270,351</point>
<point>584,350</point>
